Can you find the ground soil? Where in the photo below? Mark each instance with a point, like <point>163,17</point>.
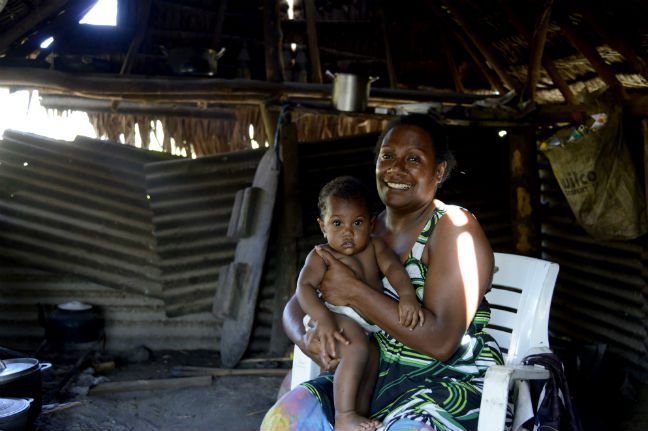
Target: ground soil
<point>229,403</point>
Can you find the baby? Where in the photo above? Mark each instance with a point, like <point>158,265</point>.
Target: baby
<point>346,224</point>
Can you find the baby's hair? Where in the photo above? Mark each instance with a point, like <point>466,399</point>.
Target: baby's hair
<point>345,187</point>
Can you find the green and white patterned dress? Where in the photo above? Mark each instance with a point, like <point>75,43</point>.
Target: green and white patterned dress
<point>412,386</point>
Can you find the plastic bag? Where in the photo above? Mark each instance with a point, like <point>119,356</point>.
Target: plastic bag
<point>596,173</point>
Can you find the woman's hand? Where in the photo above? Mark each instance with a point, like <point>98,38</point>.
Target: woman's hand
<point>338,279</point>
<point>320,343</point>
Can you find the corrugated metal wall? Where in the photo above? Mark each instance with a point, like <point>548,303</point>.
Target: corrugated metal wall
<point>192,202</point>
<point>78,208</point>
<point>131,319</point>
<point>601,293</point>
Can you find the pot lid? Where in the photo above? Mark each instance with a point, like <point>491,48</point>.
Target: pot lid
<point>17,367</point>
<point>74,306</point>
<point>12,406</point>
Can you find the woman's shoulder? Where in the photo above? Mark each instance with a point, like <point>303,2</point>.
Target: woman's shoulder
<point>456,218</point>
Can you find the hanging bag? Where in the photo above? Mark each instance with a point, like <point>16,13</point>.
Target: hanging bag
<point>596,173</point>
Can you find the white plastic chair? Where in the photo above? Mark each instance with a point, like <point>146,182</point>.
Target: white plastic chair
<point>520,300</point>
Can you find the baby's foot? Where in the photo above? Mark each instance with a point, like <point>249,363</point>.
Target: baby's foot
<point>351,421</point>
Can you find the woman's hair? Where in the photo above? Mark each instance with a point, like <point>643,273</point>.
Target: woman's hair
<point>345,187</point>
<point>436,131</point>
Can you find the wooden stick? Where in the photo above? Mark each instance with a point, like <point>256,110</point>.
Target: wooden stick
<point>313,44</point>
<point>222,372</point>
<point>147,385</point>
<point>218,27</point>
<point>537,49</point>
<point>54,408</point>
<point>272,38</point>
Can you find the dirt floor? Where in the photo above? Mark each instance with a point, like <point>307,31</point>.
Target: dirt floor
<point>224,403</point>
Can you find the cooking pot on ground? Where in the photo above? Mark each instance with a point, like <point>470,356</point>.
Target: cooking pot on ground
<point>14,414</point>
<point>350,91</point>
<point>71,322</point>
<point>22,378</point>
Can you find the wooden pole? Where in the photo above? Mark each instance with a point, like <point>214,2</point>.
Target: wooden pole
<point>537,49</point>
<point>644,130</point>
<point>547,62</point>
<point>289,231</point>
<point>489,54</point>
<point>143,13</point>
<point>525,192</point>
<point>272,38</point>
<point>313,44</point>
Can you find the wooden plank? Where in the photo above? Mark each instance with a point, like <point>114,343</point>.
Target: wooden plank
<point>151,385</point>
<point>187,371</point>
<point>313,44</point>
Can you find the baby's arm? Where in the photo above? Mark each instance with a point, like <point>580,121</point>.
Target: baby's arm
<point>309,279</point>
<point>409,309</point>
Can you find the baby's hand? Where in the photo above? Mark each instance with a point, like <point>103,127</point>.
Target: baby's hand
<point>410,312</point>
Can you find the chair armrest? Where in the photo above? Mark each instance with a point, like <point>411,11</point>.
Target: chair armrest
<point>497,383</point>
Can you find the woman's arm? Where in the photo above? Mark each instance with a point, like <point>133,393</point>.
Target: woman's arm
<point>459,260</point>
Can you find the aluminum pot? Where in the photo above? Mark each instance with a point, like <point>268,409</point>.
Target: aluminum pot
<point>21,378</point>
<point>14,413</point>
<point>350,91</point>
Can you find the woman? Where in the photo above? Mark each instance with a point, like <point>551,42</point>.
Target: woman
<point>430,378</point>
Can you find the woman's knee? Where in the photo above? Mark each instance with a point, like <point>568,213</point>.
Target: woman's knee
<point>297,410</point>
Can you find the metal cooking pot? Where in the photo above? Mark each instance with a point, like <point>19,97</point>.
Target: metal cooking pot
<point>14,413</point>
<point>350,92</point>
<point>22,378</point>
<point>71,322</point>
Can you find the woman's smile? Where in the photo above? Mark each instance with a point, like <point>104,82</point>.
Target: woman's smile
<point>398,186</point>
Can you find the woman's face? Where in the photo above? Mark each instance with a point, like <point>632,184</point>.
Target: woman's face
<point>406,172</point>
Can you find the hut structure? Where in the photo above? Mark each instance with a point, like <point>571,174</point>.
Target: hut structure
<point>151,237</point>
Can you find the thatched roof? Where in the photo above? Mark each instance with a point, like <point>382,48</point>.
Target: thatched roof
<point>449,51</point>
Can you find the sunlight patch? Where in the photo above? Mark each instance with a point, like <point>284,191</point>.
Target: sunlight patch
<point>102,13</point>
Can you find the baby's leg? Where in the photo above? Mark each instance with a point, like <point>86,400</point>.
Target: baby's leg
<point>349,373</point>
<point>369,377</point>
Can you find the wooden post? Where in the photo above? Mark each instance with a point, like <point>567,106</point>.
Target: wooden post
<point>313,44</point>
<point>289,227</point>
<point>525,193</point>
<point>218,26</point>
<point>272,37</point>
<point>452,64</point>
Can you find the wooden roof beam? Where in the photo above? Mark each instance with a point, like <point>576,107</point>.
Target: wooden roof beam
<point>27,24</point>
<point>592,55</point>
<point>389,60</point>
<point>218,26</point>
<point>313,43</point>
<point>491,56</point>
<point>490,76</point>
<point>272,37</point>
<point>452,64</point>
<point>143,13</point>
<point>547,62</point>
<point>623,47</point>
<point>537,49</point>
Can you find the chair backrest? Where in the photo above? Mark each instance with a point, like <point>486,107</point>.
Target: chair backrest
<point>520,299</point>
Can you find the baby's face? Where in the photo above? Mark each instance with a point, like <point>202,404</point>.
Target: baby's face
<point>346,225</point>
